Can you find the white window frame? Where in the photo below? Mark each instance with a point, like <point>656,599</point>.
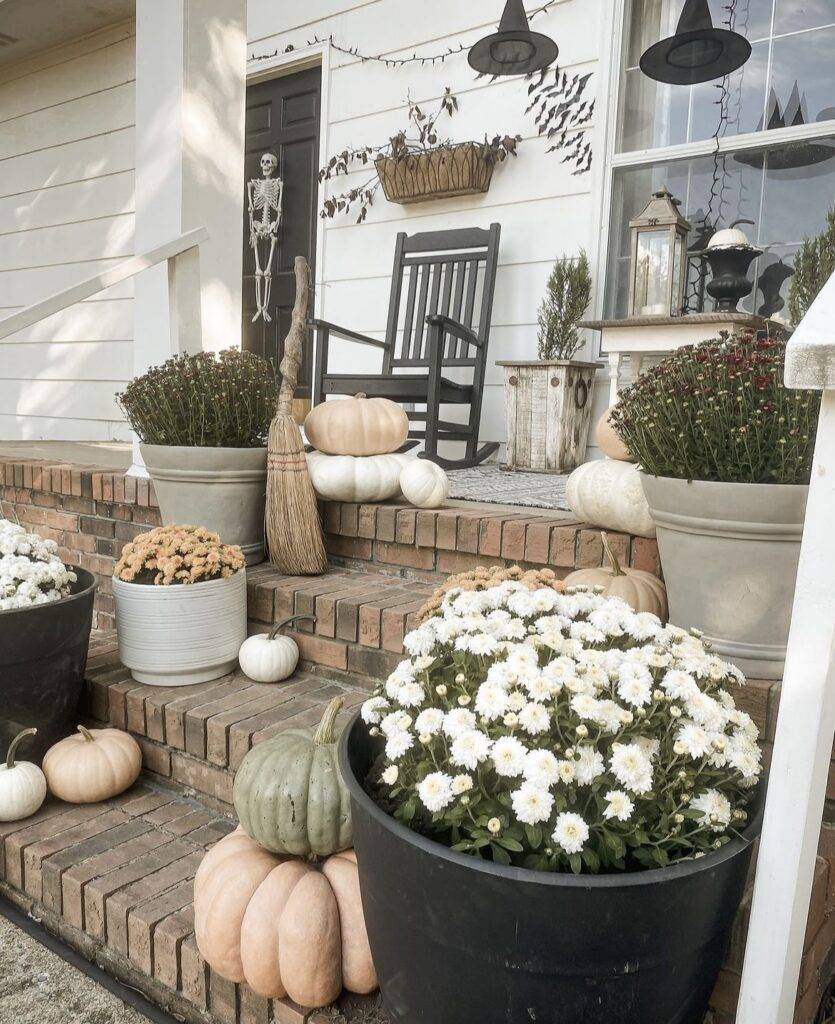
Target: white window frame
<point>611,50</point>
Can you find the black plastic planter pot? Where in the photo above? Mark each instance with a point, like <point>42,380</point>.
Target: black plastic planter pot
<point>43,654</point>
<point>457,940</point>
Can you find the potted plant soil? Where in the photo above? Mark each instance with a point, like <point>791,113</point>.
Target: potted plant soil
<point>180,606</point>
<point>725,452</point>
<point>554,804</point>
<point>46,612</point>
<point>548,401</point>
<point>202,421</point>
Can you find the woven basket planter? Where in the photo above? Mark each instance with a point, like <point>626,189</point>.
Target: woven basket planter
<point>441,173</point>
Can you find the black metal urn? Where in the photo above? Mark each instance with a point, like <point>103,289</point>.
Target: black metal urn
<point>729,255</point>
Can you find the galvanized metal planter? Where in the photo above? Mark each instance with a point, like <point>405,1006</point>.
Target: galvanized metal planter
<point>442,173</point>
<point>548,408</point>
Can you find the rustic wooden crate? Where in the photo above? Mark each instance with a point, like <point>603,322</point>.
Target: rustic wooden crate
<point>548,408</point>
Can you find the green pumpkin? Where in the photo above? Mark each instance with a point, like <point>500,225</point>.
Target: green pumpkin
<point>289,794</point>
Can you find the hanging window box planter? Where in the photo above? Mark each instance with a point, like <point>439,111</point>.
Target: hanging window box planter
<point>460,170</point>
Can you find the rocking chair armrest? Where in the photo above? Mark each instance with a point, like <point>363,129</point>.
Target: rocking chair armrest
<point>343,332</point>
<point>450,326</point>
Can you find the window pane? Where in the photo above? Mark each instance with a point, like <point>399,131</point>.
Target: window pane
<point>796,198</point>
<point>654,114</point>
<point>795,15</point>
<point>802,76</point>
<point>741,109</point>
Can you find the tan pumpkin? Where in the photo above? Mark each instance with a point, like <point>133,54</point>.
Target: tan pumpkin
<point>642,591</point>
<point>92,765</point>
<point>357,426</point>
<point>609,441</point>
<point>282,925</point>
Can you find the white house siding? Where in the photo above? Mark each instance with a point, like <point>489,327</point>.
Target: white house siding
<point>66,212</point>
<point>544,210</point>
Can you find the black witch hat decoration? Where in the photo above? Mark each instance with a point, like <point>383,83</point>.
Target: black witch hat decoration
<point>514,49</point>
<point>698,52</point>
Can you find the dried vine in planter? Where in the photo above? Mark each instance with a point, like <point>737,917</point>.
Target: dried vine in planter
<point>418,166</point>
<point>562,113</point>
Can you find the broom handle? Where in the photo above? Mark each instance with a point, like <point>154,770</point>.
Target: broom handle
<point>294,342</point>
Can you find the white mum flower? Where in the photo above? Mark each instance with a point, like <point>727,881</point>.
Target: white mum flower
<point>491,701</point>
<point>435,791</point>
<point>532,803</point>
<point>534,719</point>
<point>586,633</point>
<point>458,721</point>
<point>523,603</point>
<point>588,765</point>
<point>372,710</point>
<point>692,740</point>
<point>631,767</point>
<point>706,711</point>
<point>715,809</point>
<point>539,687</point>
<point>509,756</point>
<point>419,641</point>
<point>430,721</point>
<point>469,749</point>
<point>477,643</point>
<point>516,700</point>
<point>410,695</point>
<point>618,805</point>
<point>744,755</point>
<point>634,684</point>
<point>585,706</point>
<point>398,743</point>
<point>541,768</point>
<point>422,663</point>
<point>461,784</point>
<point>570,832</point>
<point>679,685</point>
<point>390,774</point>
<point>566,771</point>
<point>392,722</point>
<point>609,715</point>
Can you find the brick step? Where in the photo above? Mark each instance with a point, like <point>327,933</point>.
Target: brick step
<point>194,738</point>
<point>115,881</point>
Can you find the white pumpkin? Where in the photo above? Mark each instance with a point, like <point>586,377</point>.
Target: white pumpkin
<point>424,484</point>
<point>270,657</point>
<point>354,478</point>
<point>608,493</point>
<point>22,784</point>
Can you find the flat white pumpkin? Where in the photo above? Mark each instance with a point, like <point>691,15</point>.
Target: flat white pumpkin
<point>424,484</point>
<point>270,657</point>
<point>22,784</point>
<point>608,493</point>
<point>354,478</point>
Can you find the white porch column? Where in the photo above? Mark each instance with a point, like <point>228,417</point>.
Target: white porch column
<point>190,109</point>
<point>806,720</point>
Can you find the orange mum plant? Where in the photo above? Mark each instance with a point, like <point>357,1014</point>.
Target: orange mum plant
<point>178,554</point>
<point>482,578</point>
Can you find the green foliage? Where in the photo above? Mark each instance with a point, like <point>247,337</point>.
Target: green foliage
<point>566,300</point>
<point>204,401</point>
<point>813,266</point>
<point>719,411</point>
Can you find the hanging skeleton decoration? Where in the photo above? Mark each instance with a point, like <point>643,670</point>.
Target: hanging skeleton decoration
<point>264,195</point>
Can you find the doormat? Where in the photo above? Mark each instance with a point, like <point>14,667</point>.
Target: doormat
<point>503,487</point>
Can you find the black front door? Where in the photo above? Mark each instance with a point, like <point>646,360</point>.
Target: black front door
<point>282,117</point>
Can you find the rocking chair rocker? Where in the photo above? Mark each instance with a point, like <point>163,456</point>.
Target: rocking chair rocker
<point>448,278</point>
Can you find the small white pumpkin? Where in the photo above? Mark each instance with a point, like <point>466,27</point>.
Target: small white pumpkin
<point>270,657</point>
<point>354,478</point>
<point>609,494</point>
<point>424,484</point>
<point>22,784</point>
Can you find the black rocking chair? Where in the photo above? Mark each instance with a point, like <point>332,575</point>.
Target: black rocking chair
<point>447,279</point>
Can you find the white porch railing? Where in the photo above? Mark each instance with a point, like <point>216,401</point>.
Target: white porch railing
<point>175,253</point>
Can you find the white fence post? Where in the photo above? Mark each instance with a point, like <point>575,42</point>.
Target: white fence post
<point>806,720</point>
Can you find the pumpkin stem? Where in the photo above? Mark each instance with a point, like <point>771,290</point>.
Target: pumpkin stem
<point>613,558</point>
<point>360,394</point>
<point>88,736</point>
<point>324,733</point>
<point>15,744</point>
<point>280,625</point>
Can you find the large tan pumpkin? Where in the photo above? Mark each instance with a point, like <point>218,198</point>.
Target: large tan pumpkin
<point>283,926</point>
<point>92,765</point>
<point>642,591</point>
<point>357,426</point>
<point>609,440</point>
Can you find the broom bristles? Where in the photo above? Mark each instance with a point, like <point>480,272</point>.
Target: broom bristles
<point>294,533</point>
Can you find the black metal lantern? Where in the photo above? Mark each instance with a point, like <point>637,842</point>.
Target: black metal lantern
<point>698,52</point>
<point>514,49</point>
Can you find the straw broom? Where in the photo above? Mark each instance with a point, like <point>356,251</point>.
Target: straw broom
<point>294,533</point>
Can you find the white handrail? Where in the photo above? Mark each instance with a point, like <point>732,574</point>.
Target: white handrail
<point>84,289</point>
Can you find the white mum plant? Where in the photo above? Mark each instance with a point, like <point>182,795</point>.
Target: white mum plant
<point>30,570</point>
<point>562,731</point>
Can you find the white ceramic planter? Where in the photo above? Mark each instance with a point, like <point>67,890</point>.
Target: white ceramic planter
<point>729,553</point>
<point>223,489</point>
<point>185,633</point>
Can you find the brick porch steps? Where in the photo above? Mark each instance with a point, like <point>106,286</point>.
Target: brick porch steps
<point>115,882</point>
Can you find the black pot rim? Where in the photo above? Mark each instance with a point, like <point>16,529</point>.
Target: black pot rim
<point>547,878</point>
<point>85,577</point>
